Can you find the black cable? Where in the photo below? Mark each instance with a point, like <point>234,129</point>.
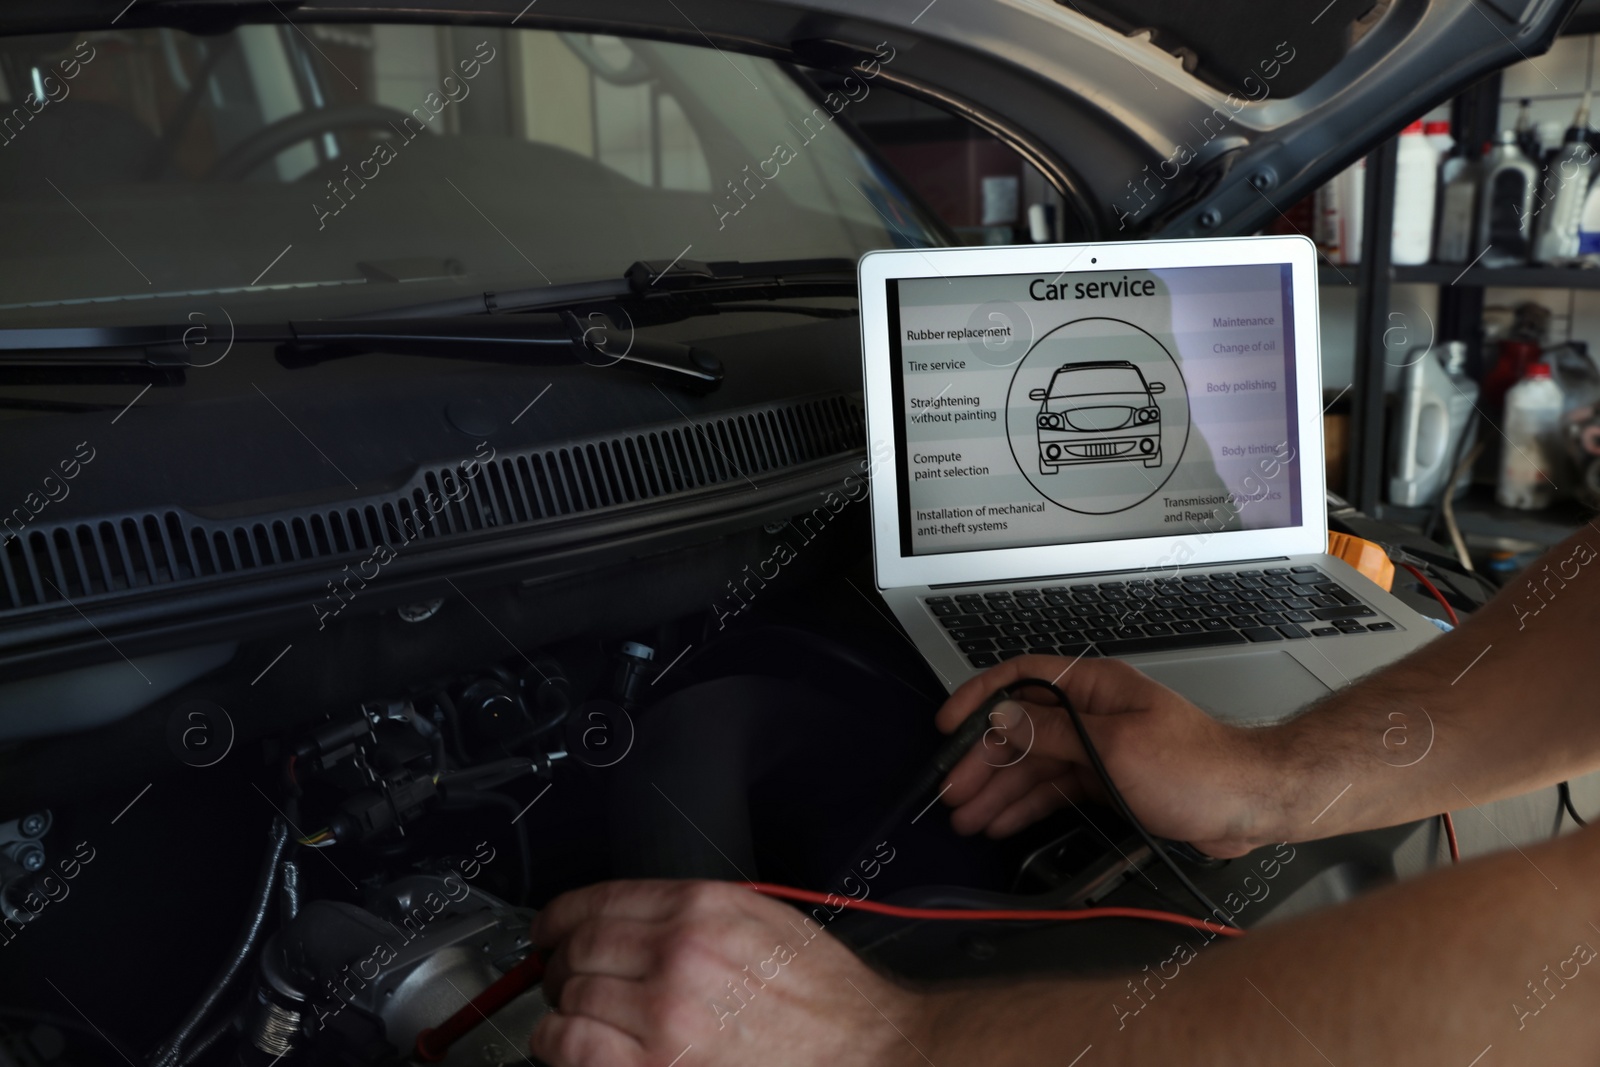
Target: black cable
<point>436,743</point>
<point>1483,580</point>
<point>1440,576</point>
<point>944,761</point>
<point>1448,574</point>
<point>171,1052</point>
<point>1565,791</point>
<point>1122,805</point>
<point>480,798</point>
<point>290,897</point>
<point>205,1041</point>
<point>492,774</point>
<point>453,720</point>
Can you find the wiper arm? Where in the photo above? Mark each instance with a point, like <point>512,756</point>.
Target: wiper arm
<point>560,324</point>
<point>594,339</point>
<point>540,340</point>
<point>680,274</point>
<point>658,282</point>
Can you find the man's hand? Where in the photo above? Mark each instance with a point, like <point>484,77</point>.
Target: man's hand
<point>641,971</point>
<point>1187,776</point>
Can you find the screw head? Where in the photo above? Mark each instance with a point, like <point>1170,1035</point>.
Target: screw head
<point>32,825</point>
<point>1261,180</point>
<point>1210,218</point>
<point>32,859</point>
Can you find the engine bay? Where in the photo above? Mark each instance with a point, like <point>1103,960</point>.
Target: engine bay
<point>322,888</point>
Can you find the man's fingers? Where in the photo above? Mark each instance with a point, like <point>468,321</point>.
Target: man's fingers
<point>620,948</point>
<point>966,779</point>
<point>1030,732</point>
<point>1095,686</point>
<point>974,691</point>
<point>645,901</point>
<point>1011,733</point>
<point>580,1041</point>
<point>1001,791</point>
<point>616,1002</point>
<point>1043,799</point>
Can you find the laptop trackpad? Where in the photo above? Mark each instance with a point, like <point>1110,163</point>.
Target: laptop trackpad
<point>1242,689</point>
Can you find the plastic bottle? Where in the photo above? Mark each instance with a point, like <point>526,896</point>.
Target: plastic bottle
<point>1533,420</point>
<point>1415,186</point>
<point>1458,209</point>
<point>1436,407</point>
<point>1437,132</point>
<point>1505,204</point>
<point>1563,191</point>
<point>1339,205</point>
<point>1589,228</point>
<point>1527,134</point>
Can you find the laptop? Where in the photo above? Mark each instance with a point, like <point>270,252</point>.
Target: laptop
<point>1115,450</point>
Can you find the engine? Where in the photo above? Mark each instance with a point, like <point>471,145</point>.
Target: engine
<point>348,984</point>
<point>413,806</point>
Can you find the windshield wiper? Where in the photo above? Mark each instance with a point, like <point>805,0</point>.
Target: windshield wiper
<point>660,290</point>
<point>548,325</point>
<point>594,339</point>
<point>679,274</point>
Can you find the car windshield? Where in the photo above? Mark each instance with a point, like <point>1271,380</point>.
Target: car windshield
<point>1077,381</point>
<point>323,170</point>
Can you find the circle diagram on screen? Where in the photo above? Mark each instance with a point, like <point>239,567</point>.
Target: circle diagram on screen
<point>1097,415</point>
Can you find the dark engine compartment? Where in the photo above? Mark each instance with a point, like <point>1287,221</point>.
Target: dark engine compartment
<point>313,807</point>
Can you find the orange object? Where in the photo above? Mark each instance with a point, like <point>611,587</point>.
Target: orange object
<point>1368,558</point>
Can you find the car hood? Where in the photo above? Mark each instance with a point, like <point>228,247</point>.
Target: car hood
<point>1151,117</point>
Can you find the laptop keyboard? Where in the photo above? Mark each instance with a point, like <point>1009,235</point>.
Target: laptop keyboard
<point>1123,618</point>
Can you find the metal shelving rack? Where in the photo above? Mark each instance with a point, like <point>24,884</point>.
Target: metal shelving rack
<point>1474,122</point>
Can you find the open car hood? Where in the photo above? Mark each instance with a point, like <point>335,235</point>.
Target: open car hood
<point>1151,117</point>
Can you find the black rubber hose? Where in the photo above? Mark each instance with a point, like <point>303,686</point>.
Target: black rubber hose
<point>452,720</point>
<point>482,798</point>
<point>170,1053</point>
<point>436,742</point>
<point>206,1040</point>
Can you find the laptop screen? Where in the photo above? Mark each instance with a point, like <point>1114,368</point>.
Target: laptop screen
<point>1043,410</point>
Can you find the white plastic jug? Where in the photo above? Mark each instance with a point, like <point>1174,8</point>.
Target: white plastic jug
<point>1436,406</point>
<point>1415,184</point>
<point>1528,461</point>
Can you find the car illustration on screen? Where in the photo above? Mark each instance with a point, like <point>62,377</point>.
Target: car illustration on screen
<point>1098,412</point>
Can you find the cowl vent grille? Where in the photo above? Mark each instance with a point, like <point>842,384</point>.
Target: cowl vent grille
<point>50,563</point>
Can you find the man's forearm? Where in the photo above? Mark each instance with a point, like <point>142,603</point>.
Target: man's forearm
<point>1503,705</point>
<point>1430,972</point>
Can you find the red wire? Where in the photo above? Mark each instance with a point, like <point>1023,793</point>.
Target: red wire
<point>784,892</point>
<point>434,1043</point>
<point>1444,819</point>
<point>1430,587</point>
